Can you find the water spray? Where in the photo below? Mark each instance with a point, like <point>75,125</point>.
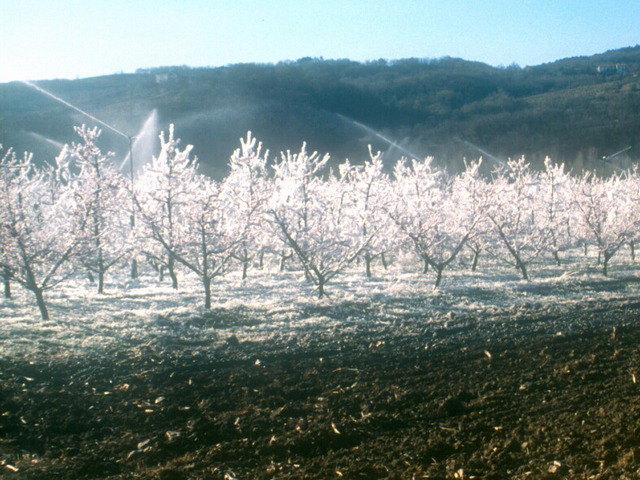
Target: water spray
<point>379,135</point>
<point>48,140</point>
<point>483,152</point>
<point>134,265</point>
<point>148,128</point>
<point>73,107</point>
<point>607,160</point>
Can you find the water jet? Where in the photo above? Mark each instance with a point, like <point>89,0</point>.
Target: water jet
<point>50,141</point>
<point>142,144</point>
<point>483,152</point>
<point>379,135</point>
<point>73,107</point>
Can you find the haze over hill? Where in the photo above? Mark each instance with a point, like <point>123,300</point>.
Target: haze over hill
<point>576,110</point>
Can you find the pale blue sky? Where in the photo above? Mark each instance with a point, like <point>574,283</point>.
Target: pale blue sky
<point>44,39</point>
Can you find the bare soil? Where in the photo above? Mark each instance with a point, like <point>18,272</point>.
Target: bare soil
<point>540,394</point>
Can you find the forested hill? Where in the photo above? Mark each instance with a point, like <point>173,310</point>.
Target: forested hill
<point>576,110</point>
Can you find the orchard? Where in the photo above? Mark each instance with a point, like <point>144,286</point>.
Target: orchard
<point>79,215</point>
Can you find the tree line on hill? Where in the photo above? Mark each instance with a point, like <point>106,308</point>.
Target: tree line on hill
<point>578,110</point>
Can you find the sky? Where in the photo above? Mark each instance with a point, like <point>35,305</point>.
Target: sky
<point>46,39</point>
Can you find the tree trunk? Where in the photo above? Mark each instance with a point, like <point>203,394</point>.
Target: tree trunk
<point>132,222</point>
<point>101,282</point>
<point>44,313</point>
<point>474,263</point>
<point>174,278</point>
<point>514,253</point>
<point>425,266</point>
<point>605,264</point>
<point>134,269</point>
<point>523,269</point>
<point>556,257</point>
<point>439,271</point>
<point>171,267</point>
<point>283,259</point>
<point>245,264</point>
<point>321,283</point>
<point>367,263</point>
<point>7,284</point>
<point>384,261</point>
<point>632,246</point>
<point>206,283</point>
<point>100,270</point>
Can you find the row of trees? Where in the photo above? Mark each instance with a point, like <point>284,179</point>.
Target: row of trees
<point>80,214</point>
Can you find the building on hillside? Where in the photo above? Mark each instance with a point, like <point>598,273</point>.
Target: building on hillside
<point>612,68</point>
<point>166,77</point>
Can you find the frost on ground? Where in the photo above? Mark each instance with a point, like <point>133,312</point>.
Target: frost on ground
<point>268,304</point>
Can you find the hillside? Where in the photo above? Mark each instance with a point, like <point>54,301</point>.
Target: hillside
<point>576,110</point>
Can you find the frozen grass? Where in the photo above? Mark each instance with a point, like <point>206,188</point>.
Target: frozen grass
<point>271,304</point>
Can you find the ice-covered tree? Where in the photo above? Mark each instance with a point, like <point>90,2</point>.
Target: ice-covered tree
<point>209,242</point>
<point>608,213</point>
<point>310,216</point>
<point>103,193</point>
<point>39,224</point>
<point>519,235</point>
<point>184,213</point>
<point>553,198</point>
<point>5,272</point>
<point>632,193</point>
<point>163,194</point>
<point>245,192</point>
<point>426,209</point>
<point>369,189</point>
<point>10,169</point>
<point>471,197</point>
